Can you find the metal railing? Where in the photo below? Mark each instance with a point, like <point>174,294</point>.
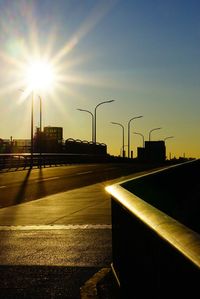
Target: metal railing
<point>24,160</point>
<point>18,160</point>
<point>154,255</point>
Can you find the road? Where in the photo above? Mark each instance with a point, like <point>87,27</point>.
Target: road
<point>55,229</point>
<point>22,186</point>
<point>51,263</point>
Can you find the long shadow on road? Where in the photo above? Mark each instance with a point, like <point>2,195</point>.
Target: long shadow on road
<point>22,191</point>
<point>27,191</point>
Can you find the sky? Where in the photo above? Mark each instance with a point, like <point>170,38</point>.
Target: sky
<point>143,54</point>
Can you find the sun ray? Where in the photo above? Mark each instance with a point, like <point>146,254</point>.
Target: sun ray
<point>39,68</point>
<point>13,62</point>
<point>98,12</point>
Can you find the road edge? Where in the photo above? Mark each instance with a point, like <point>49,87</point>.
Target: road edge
<point>89,289</point>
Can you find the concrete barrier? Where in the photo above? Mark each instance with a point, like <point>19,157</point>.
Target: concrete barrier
<point>155,233</point>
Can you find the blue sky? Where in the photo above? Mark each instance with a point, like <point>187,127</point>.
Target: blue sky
<point>144,54</point>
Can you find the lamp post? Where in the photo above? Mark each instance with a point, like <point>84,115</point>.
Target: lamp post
<point>129,122</point>
<point>114,123</point>
<point>95,116</point>
<point>32,100</point>
<point>32,107</point>
<point>152,131</point>
<point>40,134</point>
<point>168,137</point>
<point>124,150</point>
<point>141,136</point>
<point>40,113</point>
<point>92,115</point>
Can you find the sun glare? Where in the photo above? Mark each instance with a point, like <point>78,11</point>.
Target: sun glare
<point>42,68</point>
<point>40,75</point>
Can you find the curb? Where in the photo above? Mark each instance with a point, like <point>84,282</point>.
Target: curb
<point>89,289</point>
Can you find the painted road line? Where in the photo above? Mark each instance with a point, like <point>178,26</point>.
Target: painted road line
<point>47,179</point>
<point>86,172</point>
<point>55,227</point>
<point>1,187</point>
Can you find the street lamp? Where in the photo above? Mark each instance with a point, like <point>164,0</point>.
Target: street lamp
<point>114,123</point>
<point>129,133</point>
<point>95,116</point>
<point>92,115</point>
<point>32,100</point>
<point>40,113</point>
<point>168,137</point>
<point>152,131</point>
<point>32,113</point>
<point>40,135</point>
<point>32,107</point>
<point>141,136</point>
<point>124,150</point>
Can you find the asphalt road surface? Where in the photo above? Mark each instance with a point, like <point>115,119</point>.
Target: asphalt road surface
<point>55,229</point>
<point>26,185</point>
<point>51,263</point>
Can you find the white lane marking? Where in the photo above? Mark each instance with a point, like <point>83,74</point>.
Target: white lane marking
<point>1,187</point>
<point>55,227</point>
<point>47,179</point>
<point>86,172</point>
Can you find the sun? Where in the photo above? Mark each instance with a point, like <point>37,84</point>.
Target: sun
<point>40,75</point>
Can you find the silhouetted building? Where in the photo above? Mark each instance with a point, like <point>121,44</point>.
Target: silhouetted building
<point>84,147</point>
<point>55,133</point>
<point>48,141</point>
<point>141,155</point>
<point>21,145</point>
<point>15,145</point>
<point>5,146</point>
<point>154,151</point>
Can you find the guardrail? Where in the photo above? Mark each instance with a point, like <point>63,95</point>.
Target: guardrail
<point>154,254</point>
<point>24,160</point>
